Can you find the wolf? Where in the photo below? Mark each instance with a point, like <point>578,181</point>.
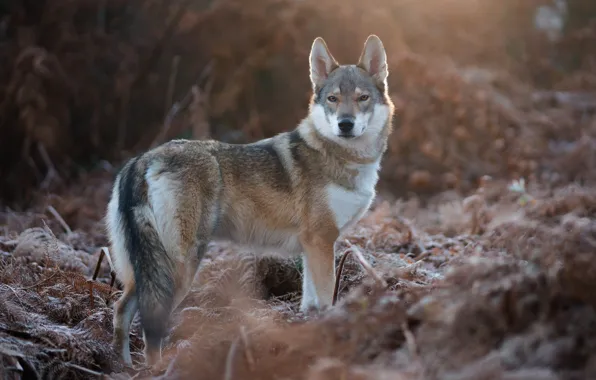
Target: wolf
<point>294,193</point>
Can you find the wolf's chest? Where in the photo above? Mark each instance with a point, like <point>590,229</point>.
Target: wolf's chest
<point>349,205</point>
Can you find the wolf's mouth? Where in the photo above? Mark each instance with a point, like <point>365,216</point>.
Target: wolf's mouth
<point>346,135</point>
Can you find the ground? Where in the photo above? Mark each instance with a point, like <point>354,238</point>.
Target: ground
<point>494,285</point>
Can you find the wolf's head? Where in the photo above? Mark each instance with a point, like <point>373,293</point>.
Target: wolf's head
<point>350,102</point>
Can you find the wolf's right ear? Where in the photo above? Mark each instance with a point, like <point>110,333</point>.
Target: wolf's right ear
<point>322,62</point>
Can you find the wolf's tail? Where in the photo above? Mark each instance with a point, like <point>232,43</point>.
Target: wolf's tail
<point>152,266</point>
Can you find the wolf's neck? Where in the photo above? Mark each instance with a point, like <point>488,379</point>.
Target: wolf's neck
<point>357,151</point>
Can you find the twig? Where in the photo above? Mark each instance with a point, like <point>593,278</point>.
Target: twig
<point>413,349</point>
<point>47,229</point>
<point>413,234</point>
<point>45,157</point>
<point>365,264</point>
<point>247,351</point>
<point>230,359</point>
<point>10,243</point>
<point>340,269</point>
<point>58,217</point>
<point>16,366</point>
<point>180,106</point>
<point>158,47</point>
<point>15,294</point>
<point>104,252</point>
<point>86,370</point>
<point>172,82</point>
<point>367,267</point>
<point>422,256</point>
<point>52,172</point>
<point>41,282</point>
<point>198,119</point>
<point>410,340</point>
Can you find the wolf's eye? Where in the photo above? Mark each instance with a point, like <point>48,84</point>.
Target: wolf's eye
<point>363,98</point>
<point>332,99</point>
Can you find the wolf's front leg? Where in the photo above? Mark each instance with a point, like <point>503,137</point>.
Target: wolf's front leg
<point>319,271</point>
<point>309,293</point>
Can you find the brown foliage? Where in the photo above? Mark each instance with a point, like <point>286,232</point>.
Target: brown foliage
<point>511,302</point>
<point>90,80</point>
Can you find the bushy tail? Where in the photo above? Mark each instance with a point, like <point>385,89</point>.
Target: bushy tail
<point>155,286</point>
<point>153,268</point>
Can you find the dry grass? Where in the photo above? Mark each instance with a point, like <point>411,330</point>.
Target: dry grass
<point>512,301</point>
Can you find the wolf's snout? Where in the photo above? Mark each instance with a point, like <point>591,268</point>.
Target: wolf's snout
<point>346,125</point>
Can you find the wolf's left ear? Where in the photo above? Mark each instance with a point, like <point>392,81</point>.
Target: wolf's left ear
<point>374,59</point>
<point>322,62</point>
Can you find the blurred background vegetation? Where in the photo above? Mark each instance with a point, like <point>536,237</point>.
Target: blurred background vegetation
<point>482,87</point>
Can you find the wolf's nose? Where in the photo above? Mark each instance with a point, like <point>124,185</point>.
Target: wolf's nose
<point>346,125</point>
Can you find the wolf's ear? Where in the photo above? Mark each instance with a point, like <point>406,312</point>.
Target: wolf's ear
<point>321,62</point>
<point>374,59</point>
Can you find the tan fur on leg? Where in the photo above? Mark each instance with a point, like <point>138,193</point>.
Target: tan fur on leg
<point>124,311</point>
<point>319,271</point>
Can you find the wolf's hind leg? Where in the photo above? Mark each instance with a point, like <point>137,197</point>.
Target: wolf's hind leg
<point>191,267</point>
<point>198,213</point>
<point>124,312</point>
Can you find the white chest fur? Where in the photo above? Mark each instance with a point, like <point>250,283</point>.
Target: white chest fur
<point>348,206</point>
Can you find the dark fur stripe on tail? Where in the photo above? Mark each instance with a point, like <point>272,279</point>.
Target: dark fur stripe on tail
<point>153,269</point>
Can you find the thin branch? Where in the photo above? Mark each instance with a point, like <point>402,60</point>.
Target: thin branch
<point>158,47</point>
<point>410,340</point>
<point>247,351</point>
<point>366,265</point>
<point>15,365</point>
<point>60,220</point>
<point>41,282</point>
<point>52,172</point>
<point>10,243</point>
<point>172,82</point>
<point>340,269</point>
<point>86,370</point>
<point>180,106</point>
<point>15,294</point>
<point>230,359</point>
<point>102,253</point>
<point>106,251</point>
